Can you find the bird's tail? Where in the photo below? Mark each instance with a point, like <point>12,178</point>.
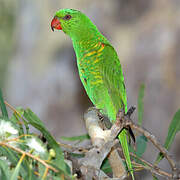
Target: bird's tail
<point>123,140</point>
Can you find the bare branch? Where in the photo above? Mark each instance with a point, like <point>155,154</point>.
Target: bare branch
<point>103,141</point>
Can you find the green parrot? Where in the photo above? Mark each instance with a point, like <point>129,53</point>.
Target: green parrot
<point>99,67</point>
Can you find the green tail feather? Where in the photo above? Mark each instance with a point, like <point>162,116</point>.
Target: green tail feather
<point>124,144</point>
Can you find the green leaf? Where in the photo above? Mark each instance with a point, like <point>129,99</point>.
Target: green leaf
<point>15,120</point>
<point>174,127</point>
<point>16,170</point>
<point>20,111</point>
<point>76,138</point>
<point>58,178</point>
<point>154,177</point>
<point>141,104</point>
<point>19,115</point>
<point>13,158</point>
<point>4,170</point>
<point>32,167</point>
<point>3,107</point>
<point>141,145</point>
<point>106,166</point>
<point>31,177</point>
<point>41,169</point>
<point>11,155</point>
<point>37,123</point>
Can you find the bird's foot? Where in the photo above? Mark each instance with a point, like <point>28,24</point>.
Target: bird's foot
<point>122,117</point>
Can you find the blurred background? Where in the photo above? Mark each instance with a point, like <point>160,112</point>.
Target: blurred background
<point>38,67</point>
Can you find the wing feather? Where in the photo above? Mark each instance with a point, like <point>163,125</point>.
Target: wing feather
<point>113,78</point>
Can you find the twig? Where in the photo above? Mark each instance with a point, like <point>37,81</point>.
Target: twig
<point>30,155</point>
<point>45,173</point>
<point>155,142</point>
<point>154,169</point>
<point>11,107</point>
<point>17,138</point>
<point>126,121</point>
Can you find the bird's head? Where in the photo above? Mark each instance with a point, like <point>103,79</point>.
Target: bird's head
<point>72,22</point>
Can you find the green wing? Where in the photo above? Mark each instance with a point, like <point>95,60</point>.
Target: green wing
<point>113,78</point>
<point>114,81</point>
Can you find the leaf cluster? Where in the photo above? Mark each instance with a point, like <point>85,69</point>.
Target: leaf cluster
<point>21,160</point>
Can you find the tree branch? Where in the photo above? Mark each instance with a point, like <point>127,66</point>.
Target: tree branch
<point>104,140</point>
<point>30,155</point>
<point>128,122</point>
<point>148,166</point>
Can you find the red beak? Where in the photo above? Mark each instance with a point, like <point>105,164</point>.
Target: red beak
<point>55,24</point>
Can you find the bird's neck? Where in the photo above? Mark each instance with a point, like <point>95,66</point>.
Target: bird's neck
<point>83,36</point>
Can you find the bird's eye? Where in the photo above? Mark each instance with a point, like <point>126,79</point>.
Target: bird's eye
<point>67,17</point>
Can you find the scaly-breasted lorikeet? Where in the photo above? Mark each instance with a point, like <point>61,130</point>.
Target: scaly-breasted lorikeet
<point>99,66</point>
